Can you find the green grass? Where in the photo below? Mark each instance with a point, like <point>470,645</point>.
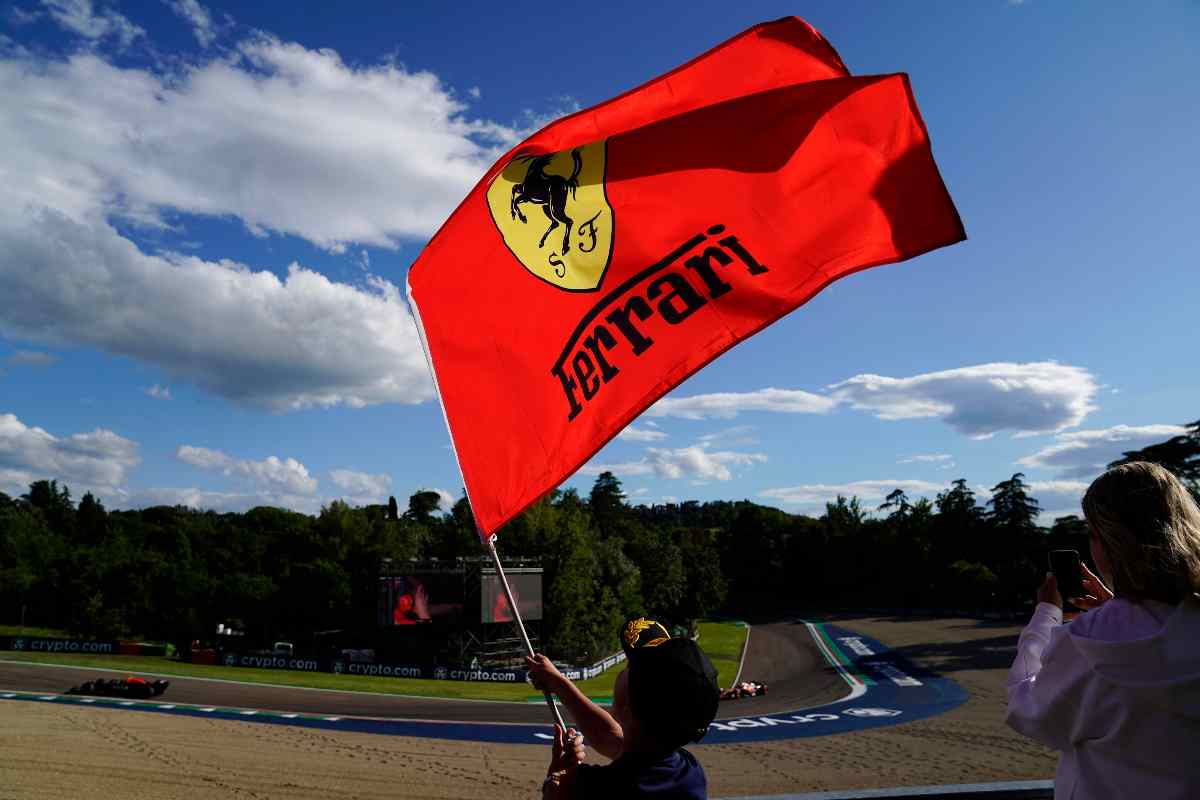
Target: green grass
<point>722,641</point>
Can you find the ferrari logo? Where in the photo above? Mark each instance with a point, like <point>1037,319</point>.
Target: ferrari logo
<point>568,241</point>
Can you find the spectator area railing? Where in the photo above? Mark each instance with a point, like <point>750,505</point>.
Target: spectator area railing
<point>1011,790</point>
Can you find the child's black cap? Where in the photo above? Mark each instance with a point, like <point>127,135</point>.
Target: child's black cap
<point>672,684</point>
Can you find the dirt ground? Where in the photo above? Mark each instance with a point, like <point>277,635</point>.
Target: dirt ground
<point>49,751</point>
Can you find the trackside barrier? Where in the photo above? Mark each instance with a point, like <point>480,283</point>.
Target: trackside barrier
<point>32,644</point>
<point>583,673</point>
<point>385,670</point>
<point>1011,790</point>
<point>38,644</point>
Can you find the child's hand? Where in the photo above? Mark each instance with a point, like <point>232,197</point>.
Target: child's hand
<point>569,751</point>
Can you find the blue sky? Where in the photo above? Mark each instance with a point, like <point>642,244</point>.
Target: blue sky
<point>212,209</point>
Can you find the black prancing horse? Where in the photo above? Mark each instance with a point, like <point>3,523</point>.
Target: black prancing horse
<point>549,192</point>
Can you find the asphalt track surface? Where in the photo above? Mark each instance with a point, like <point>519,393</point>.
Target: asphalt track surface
<point>782,655</point>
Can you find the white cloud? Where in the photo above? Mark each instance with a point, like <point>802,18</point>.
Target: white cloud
<point>927,458</point>
<point>30,358</point>
<point>622,469</point>
<point>281,137</point>
<point>362,484</point>
<point>158,392</point>
<point>1085,454</point>
<point>980,400</point>
<point>222,502</point>
<point>285,138</point>
<point>1053,494</point>
<point>696,462</point>
<point>203,457</point>
<point>730,404</point>
<point>870,492</point>
<point>1060,487</point>
<point>81,18</point>
<point>198,17</point>
<point>447,499</point>
<point>96,461</point>
<point>742,435</point>
<point>288,475</point>
<point>248,336</point>
<point>632,434</point>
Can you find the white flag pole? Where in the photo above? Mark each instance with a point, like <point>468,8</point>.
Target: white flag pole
<point>491,541</point>
<point>512,603</point>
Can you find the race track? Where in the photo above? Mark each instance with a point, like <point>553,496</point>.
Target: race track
<point>782,655</point>
<point>796,660</point>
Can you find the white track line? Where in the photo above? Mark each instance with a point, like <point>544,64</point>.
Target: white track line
<point>742,662</point>
<point>857,687</point>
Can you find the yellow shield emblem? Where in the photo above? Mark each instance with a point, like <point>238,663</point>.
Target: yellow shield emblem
<point>568,240</point>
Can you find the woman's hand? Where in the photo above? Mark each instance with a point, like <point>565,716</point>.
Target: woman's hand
<point>1048,591</point>
<point>1097,593</point>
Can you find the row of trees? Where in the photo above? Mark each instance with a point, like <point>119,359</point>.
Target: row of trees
<point>173,573</point>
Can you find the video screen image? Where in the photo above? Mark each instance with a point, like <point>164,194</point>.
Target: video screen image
<point>526,589</point>
<point>420,599</point>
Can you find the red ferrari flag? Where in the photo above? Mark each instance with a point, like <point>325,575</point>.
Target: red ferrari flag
<point>615,252</point>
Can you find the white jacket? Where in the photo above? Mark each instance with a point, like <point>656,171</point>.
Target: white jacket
<point>1117,692</point>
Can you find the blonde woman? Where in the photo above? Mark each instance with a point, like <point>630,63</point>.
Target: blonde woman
<point>1117,690</point>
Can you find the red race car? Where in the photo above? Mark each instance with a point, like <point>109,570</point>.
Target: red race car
<point>131,688</point>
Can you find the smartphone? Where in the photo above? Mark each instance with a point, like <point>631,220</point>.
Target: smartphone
<point>1065,566</point>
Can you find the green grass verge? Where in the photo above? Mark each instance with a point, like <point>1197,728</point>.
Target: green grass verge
<point>722,641</point>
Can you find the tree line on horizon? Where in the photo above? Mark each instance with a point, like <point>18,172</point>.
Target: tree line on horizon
<point>173,573</point>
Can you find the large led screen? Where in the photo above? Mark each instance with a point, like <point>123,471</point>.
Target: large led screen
<point>526,589</point>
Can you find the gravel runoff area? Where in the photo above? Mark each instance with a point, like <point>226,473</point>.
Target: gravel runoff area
<point>59,751</point>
